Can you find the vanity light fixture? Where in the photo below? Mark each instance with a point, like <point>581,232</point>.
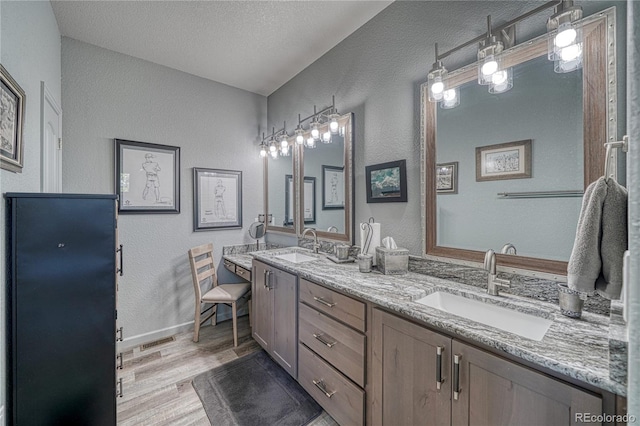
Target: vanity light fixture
<point>299,132</point>
<point>311,142</point>
<point>315,129</point>
<point>450,98</point>
<point>489,56</point>
<point>326,137</point>
<point>263,151</point>
<point>334,126</point>
<point>277,143</point>
<point>501,81</point>
<point>565,37</point>
<point>436,79</point>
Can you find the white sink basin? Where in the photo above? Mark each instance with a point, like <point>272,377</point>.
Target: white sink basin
<point>525,325</point>
<point>296,257</point>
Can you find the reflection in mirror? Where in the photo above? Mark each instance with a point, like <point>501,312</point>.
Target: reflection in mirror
<point>544,107</point>
<point>279,185</point>
<point>563,118</point>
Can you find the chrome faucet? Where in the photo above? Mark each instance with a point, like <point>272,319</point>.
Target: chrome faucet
<point>494,283</point>
<point>316,246</point>
<point>509,249</point>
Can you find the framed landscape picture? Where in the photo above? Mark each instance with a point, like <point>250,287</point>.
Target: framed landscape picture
<point>447,178</point>
<point>511,160</point>
<point>147,177</point>
<point>332,188</point>
<point>217,199</point>
<point>12,107</point>
<point>387,182</point>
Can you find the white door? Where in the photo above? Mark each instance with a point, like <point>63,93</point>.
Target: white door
<point>51,139</point>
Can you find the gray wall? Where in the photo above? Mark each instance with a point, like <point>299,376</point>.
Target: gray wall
<point>543,106</point>
<point>376,73</point>
<point>108,95</point>
<point>30,51</point>
<point>633,103</point>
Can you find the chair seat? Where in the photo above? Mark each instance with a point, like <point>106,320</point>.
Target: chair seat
<point>226,292</point>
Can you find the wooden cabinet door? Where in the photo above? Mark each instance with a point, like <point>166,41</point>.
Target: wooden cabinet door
<point>494,391</point>
<point>405,367</point>
<point>261,297</point>
<point>285,320</point>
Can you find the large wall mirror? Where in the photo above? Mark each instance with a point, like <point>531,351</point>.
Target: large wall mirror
<point>313,188</point>
<point>553,124</point>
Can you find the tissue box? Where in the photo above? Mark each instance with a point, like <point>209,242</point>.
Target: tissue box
<point>392,261</point>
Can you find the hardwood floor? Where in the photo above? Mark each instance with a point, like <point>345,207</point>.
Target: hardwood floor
<point>156,382</point>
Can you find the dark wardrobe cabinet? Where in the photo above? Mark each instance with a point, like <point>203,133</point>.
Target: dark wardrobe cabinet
<point>61,309</point>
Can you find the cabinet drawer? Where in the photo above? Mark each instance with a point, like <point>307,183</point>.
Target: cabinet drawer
<point>230,266</point>
<point>243,273</point>
<point>341,346</point>
<point>343,400</point>
<point>341,307</point>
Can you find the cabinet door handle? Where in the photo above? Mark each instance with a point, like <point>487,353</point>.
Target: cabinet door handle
<point>120,270</point>
<point>324,302</point>
<point>268,281</point>
<point>265,279</point>
<point>119,335</point>
<point>456,376</point>
<point>119,357</point>
<point>324,341</point>
<point>439,379</point>
<point>320,385</point>
<point>119,390</point>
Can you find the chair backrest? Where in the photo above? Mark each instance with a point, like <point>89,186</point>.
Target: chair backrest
<point>202,267</point>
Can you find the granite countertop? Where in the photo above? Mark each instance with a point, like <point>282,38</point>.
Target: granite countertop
<point>243,259</point>
<point>576,348</point>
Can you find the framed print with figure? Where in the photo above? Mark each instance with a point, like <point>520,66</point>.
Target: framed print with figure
<point>217,199</point>
<point>12,107</point>
<point>332,188</point>
<point>147,178</point>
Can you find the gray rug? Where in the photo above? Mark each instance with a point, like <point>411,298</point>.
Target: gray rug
<point>252,391</point>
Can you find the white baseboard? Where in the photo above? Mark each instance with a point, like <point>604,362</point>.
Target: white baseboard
<point>133,341</point>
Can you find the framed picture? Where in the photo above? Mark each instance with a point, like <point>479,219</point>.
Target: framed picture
<point>217,199</point>
<point>309,200</point>
<point>387,182</point>
<point>332,188</point>
<point>147,177</point>
<point>12,107</point>
<point>447,178</point>
<point>510,160</point>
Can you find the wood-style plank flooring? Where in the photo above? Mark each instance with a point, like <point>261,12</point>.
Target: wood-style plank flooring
<point>156,382</point>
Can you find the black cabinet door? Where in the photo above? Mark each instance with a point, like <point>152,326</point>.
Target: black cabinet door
<point>63,311</point>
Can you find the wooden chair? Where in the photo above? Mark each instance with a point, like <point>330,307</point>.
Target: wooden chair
<point>204,275</point>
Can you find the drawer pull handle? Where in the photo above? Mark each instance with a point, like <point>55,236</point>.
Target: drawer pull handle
<point>324,302</point>
<point>456,376</point>
<point>228,264</point>
<point>439,379</point>
<point>320,385</point>
<point>324,341</point>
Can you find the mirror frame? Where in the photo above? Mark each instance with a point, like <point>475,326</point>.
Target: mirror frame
<point>599,126</point>
<point>346,121</point>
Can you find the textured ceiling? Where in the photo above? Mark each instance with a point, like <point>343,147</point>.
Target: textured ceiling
<point>253,45</point>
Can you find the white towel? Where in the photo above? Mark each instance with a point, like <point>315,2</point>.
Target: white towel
<point>375,240</point>
<point>595,264</point>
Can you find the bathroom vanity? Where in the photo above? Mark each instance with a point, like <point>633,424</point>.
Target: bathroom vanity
<point>370,353</point>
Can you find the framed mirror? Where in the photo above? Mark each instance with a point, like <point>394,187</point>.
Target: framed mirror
<point>510,168</point>
<point>313,187</point>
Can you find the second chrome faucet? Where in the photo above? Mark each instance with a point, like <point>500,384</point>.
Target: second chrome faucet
<point>494,283</point>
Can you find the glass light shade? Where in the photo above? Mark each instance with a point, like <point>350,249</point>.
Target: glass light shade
<point>284,151</point>
<point>326,137</point>
<point>487,67</point>
<point>450,98</point>
<point>566,36</point>
<point>263,152</point>
<point>501,81</point>
<point>311,143</point>
<point>299,136</point>
<point>436,82</point>
<point>273,147</point>
<point>315,132</point>
<point>274,154</point>
<point>334,126</point>
<point>284,143</point>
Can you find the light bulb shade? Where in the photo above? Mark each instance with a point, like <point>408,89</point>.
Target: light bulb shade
<point>263,152</point>
<point>284,151</point>
<point>299,136</point>
<point>315,131</point>
<point>284,143</point>
<point>273,147</point>
<point>501,81</point>
<point>274,154</point>
<point>487,67</point>
<point>334,126</point>
<point>311,143</point>
<point>571,64</point>
<point>450,98</point>
<point>326,137</point>
<point>436,82</point>
<point>563,31</point>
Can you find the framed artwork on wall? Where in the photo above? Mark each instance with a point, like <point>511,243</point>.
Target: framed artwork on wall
<point>447,178</point>
<point>147,178</point>
<point>511,160</point>
<point>12,107</point>
<point>309,199</point>
<point>387,182</point>
<point>217,199</point>
<point>332,188</point>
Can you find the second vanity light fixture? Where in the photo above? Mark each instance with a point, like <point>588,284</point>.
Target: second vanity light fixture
<point>565,50</point>
<point>323,125</point>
